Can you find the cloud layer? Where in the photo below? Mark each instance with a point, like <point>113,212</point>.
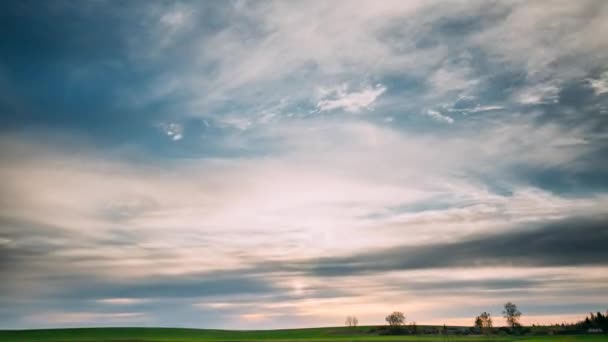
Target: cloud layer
<point>271,164</point>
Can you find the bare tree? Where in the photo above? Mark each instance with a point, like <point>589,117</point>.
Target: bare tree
<point>512,315</point>
<point>352,321</point>
<point>395,319</point>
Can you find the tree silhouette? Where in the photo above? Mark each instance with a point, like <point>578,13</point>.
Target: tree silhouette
<point>512,315</point>
<point>484,323</point>
<point>352,321</point>
<point>395,319</point>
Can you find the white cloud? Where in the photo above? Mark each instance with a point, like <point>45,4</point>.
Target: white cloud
<point>558,40</point>
<point>435,115</point>
<point>452,78</point>
<point>241,123</point>
<point>173,130</point>
<point>599,85</point>
<point>324,181</point>
<point>353,101</point>
<point>330,177</point>
<point>330,36</point>
<point>287,50</point>
<point>329,182</point>
<point>480,108</point>
<point>179,19</point>
<point>538,94</point>
<point>121,301</point>
<point>174,19</point>
<point>281,50</point>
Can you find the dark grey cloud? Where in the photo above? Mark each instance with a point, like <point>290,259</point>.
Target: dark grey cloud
<point>24,241</point>
<point>58,282</point>
<point>571,242</point>
<point>183,286</point>
<point>507,286</point>
<point>575,241</point>
<point>37,253</point>
<point>471,285</point>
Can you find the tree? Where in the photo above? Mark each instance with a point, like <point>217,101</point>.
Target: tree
<point>484,323</point>
<point>396,319</point>
<point>595,321</point>
<point>414,328</point>
<point>512,315</point>
<point>352,321</point>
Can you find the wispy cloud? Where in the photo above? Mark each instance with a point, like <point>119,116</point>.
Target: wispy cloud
<point>435,115</point>
<point>226,159</point>
<point>349,101</point>
<point>173,130</point>
<point>542,93</point>
<point>599,85</point>
<point>121,301</point>
<point>480,108</point>
<point>78,318</point>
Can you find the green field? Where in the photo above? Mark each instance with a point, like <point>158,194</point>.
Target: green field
<point>313,335</point>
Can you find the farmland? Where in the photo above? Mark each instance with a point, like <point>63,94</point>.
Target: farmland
<point>338,334</point>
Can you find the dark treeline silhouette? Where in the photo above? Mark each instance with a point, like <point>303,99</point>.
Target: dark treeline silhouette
<point>595,323</point>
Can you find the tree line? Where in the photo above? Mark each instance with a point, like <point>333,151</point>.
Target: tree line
<point>483,324</point>
<point>595,321</point>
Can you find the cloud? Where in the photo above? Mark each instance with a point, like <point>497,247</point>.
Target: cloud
<point>191,286</point>
<point>162,224</point>
<point>164,206</point>
<point>454,77</point>
<point>543,93</point>
<point>571,242</point>
<point>173,130</point>
<point>599,85</point>
<point>480,108</point>
<point>173,19</point>
<point>121,301</point>
<point>529,42</point>
<point>355,101</point>
<point>78,318</point>
<point>435,115</point>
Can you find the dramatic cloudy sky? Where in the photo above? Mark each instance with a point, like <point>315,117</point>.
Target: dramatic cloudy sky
<point>278,164</point>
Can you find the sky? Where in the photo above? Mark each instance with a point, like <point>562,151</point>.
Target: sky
<point>236,164</point>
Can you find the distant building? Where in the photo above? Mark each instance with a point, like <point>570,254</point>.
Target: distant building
<point>595,330</point>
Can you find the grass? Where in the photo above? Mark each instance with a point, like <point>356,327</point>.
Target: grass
<point>339,334</point>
